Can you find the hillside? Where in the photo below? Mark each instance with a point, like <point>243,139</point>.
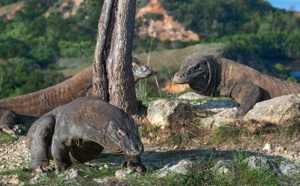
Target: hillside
<point>166,28</point>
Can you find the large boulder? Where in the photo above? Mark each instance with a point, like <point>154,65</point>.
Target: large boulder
<point>160,111</point>
<point>277,110</point>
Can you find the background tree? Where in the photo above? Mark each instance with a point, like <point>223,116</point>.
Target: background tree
<point>112,75</point>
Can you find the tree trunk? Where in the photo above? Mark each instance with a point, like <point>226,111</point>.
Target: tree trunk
<point>112,76</point>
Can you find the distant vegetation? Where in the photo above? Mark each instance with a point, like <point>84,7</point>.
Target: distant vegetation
<point>252,29</point>
<point>255,33</point>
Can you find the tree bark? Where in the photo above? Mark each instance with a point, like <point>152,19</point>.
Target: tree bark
<point>113,78</point>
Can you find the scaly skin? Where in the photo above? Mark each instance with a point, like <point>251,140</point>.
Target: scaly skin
<point>27,108</point>
<point>215,76</point>
<point>79,131</point>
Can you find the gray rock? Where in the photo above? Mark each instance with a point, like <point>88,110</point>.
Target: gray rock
<point>257,162</point>
<point>224,167</point>
<point>126,173</point>
<point>160,111</point>
<point>289,169</point>
<point>191,96</point>
<point>101,180</point>
<point>37,177</point>
<point>276,110</point>
<point>225,117</point>
<point>217,105</point>
<point>180,168</point>
<point>72,175</point>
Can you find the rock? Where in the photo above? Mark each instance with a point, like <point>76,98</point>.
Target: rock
<point>37,177</point>
<point>191,96</point>
<point>72,176</point>
<point>267,147</point>
<point>290,170</point>
<point>276,110</point>
<point>126,173</point>
<point>225,117</point>
<point>217,105</point>
<point>257,162</point>
<point>224,167</point>
<point>160,111</point>
<point>101,180</point>
<point>180,168</point>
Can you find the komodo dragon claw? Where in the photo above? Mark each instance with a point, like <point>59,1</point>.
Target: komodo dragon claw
<point>43,169</point>
<point>7,130</point>
<point>135,165</point>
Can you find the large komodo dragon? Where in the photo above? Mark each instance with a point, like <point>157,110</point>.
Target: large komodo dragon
<point>79,131</point>
<point>27,108</point>
<point>216,76</point>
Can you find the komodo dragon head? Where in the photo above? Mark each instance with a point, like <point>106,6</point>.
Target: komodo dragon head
<point>201,73</point>
<point>195,69</point>
<point>140,70</point>
<point>124,133</point>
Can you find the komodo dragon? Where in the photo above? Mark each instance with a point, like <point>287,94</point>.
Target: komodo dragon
<point>216,76</point>
<point>79,131</point>
<point>27,108</point>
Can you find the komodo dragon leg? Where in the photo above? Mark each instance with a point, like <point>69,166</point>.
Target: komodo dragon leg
<point>7,121</point>
<point>60,149</point>
<point>39,149</point>
<point>246,95</point>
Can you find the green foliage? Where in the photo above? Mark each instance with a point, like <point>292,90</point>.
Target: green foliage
<point>26,75</point>
<point>70,49</point>
<point>11,47</point>
<point>8,2</point>
<point>34,8</point>
<point>145,44</point>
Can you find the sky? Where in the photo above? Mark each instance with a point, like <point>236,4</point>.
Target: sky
<point>286,4</point>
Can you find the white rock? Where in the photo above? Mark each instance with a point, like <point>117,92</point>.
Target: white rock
<point>276,110</point>
<point>160,111</point>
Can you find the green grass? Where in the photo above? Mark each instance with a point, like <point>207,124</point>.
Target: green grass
<point>7,139</point>
<point>228,134</point>
<point>23,176</point>
<point>95,173</point>
<point>293,129</point>
<point>202,174</point>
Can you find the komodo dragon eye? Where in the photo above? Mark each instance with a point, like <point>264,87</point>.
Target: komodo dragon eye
<point>121,133</point>
<point>196,68</point>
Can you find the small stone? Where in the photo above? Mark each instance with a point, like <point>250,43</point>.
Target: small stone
<point>290,170</point>
<point>256,162</point>
<point>101,180</point>
<point>37,177</point>
<point>267,147</point>
<point>223,167</point>
<point>72,176</point>
<point>123,173</point>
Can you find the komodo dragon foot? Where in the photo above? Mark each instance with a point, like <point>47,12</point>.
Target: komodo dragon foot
<point>11,131</point>
<point>135,163</point>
